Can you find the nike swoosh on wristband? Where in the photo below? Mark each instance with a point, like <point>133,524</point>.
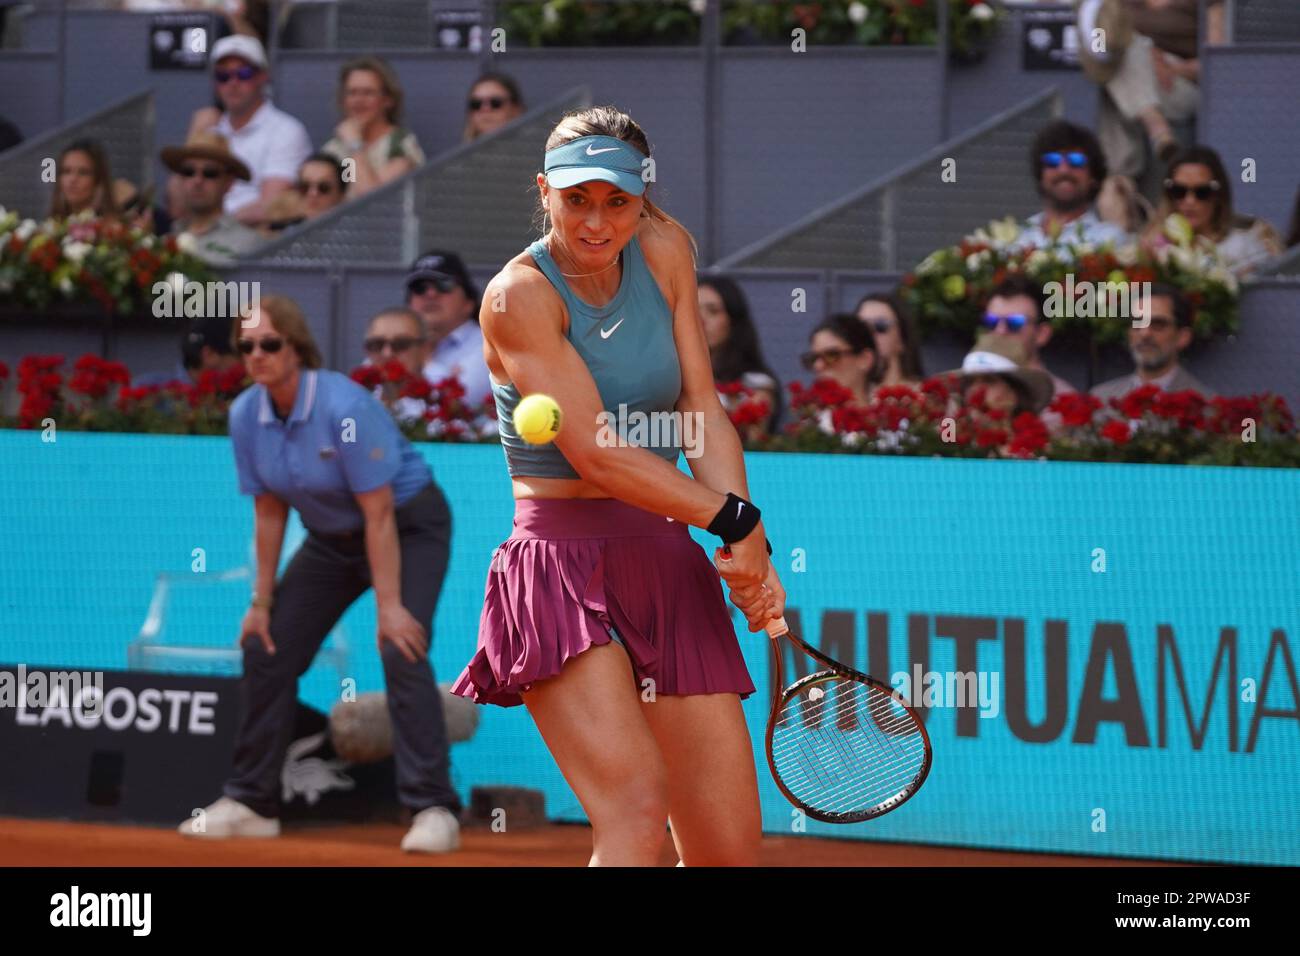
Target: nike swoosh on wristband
<point>607,149</point>
<point>739,506</point>
<point>606,333</point>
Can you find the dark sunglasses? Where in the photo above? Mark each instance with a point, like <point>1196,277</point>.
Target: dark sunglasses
<point>491,102</point>
<point>324,188</point>
<point>442,284</point>
<point>1014,322</point>
<point>398,343</point>
<point>1076,159</point>
<point>207,172</point>
<point>829,356</point>
<point>270,345</point>
<point>1204,193</point>
<point>880,326</point>
<point>244,73</point>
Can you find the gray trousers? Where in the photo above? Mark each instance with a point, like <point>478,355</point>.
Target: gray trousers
<point>321,581</point>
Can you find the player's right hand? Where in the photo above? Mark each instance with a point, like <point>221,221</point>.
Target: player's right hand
<point>257,624</point>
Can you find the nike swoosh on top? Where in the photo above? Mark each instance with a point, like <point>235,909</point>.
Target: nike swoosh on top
<point>606,333</point>
<point>607,149</point>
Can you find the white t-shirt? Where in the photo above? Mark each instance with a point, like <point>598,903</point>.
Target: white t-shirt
<point>272,144</point>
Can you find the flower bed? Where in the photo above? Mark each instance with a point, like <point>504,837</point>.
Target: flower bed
<point>1146,425</point>
<point>46,266</point>
<point>949,288</point>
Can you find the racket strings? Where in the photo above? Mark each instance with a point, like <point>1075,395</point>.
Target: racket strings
<point>852,749</point>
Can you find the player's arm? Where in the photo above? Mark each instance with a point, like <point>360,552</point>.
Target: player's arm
<point>527,337</point>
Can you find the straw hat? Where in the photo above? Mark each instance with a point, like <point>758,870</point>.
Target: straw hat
<point>205,144</point>
<point>1004,356</point>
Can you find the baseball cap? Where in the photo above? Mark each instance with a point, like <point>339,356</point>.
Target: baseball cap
<point>604,158</point>
<point>245,47</point>
<point>212,332</point>
<point>442,266</point>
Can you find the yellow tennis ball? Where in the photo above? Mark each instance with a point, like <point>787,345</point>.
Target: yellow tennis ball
<point>537,419</point>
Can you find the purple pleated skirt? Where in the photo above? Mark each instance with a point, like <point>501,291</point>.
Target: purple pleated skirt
<point>578,572</point>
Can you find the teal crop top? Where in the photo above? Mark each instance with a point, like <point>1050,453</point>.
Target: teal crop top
<point>629,349</point>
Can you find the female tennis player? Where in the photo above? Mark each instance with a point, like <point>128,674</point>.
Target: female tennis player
<point>602,313</point>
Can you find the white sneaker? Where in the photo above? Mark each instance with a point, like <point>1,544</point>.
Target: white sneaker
<point>434,830</point>
<point>229,818</point>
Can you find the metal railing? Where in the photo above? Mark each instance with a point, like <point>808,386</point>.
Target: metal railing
<point>894,222</point>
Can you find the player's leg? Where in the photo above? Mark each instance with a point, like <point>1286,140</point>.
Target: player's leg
<point>712,784</point>
<point>590,717</point>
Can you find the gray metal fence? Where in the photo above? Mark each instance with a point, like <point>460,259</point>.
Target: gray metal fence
<point>1263,21</point>
<point>893,223</point>
<point>473,199</point>
<point>126,131</point>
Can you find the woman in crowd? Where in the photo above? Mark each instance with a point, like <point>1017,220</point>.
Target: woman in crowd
<point>898,342</point>
<point>996,366</point>
<point>1198,187</point>
<point>843,350</point>
<point>84,182</point>
<point>370,134</point>
<point>494,100</point>
<point>320,187</point>
<point>734,349</point>
<point>312,439</point>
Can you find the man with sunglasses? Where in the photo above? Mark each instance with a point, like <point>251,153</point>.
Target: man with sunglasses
<point>207,169</point>
<point>1155,341</point>
<point>440,291</point>
<point>1069,167</point>
<point>1015,309</point>
<point>268,141</point>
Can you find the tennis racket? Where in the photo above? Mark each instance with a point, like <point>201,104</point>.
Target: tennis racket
<point>842,746</point>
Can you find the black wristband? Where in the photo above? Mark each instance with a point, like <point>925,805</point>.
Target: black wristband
<point>735,519</point>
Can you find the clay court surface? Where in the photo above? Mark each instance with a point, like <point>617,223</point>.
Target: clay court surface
<point>56,843</point>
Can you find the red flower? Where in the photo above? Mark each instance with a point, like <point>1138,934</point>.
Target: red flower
<point>4,370</point>
<point>1116,431</point>
<point>829,392</point>
<point>394,371</point>
<point>1137,402</point>
<point>418,387</point>
<point>367,376</point>
<point>1029,435</point>
<point>1075,408</point>
<point>990,437</point>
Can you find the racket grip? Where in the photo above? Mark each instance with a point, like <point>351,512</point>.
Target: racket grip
<point>776,627</point>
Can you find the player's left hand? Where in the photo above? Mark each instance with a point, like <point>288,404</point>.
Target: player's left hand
<point>398,627</point>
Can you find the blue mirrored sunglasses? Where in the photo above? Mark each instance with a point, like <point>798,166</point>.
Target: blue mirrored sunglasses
<point>1014,322</point>
<point>1076,159</point>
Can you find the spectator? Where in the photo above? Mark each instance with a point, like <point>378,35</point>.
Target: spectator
<point>269,142</point>
<point>1155,340</point>
<point>369,141</point>
<point>734,348</point>
<point>207,169</point>
<point>137,209</point>
<point>205,347</point>
<point>997,365</point>
<point>397,335</point>
<point>897,340</point>
<point>494,100</point>
<point>1069,167</point>
<point>1015,310</point>
<point>843,350</point>
<point>441,292</point>
<point>1149,75</point>
<point>320,187</point>
<point>84,183</point>
<point>1199,189</point>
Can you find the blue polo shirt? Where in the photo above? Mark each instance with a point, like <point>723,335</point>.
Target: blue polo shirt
<point>338,441</point>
